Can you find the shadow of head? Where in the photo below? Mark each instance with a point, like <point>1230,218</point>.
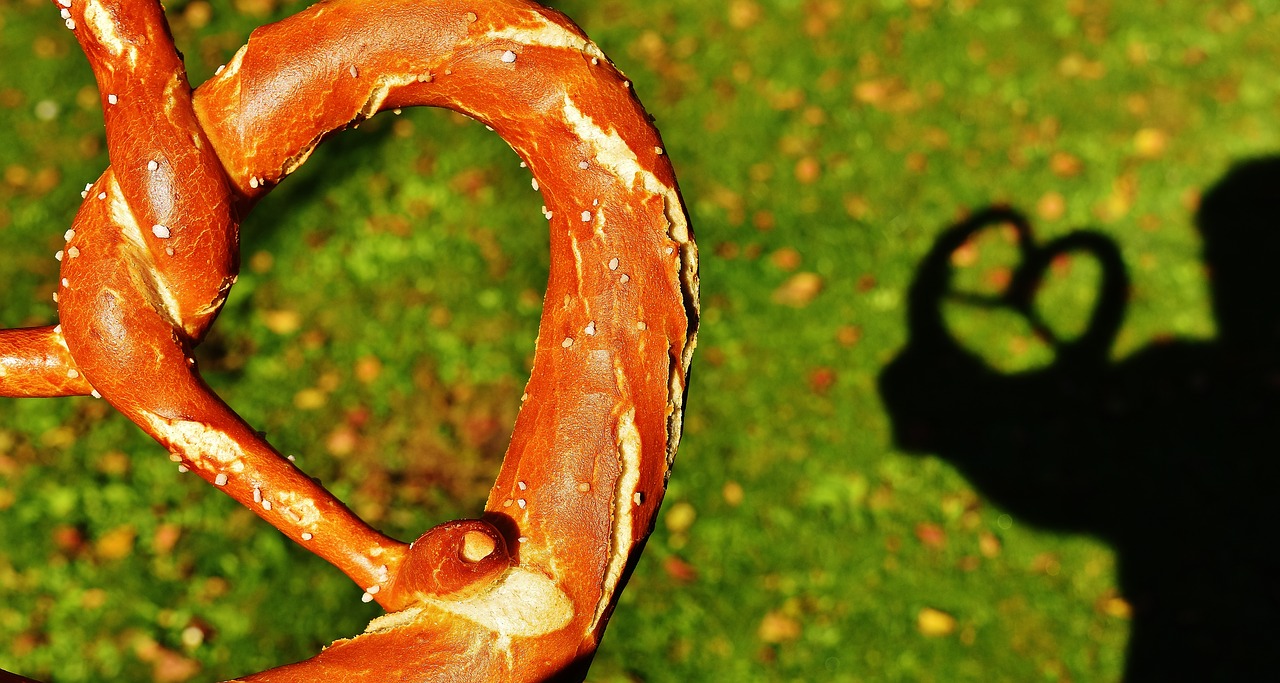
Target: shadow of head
<point>1168,454</point>
<point>1239,224</point>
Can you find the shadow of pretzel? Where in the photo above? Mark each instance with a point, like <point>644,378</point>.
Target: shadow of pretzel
<point>1169,455</point>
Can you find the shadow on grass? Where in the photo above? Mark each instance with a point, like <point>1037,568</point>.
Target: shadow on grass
<point>1170,455</point>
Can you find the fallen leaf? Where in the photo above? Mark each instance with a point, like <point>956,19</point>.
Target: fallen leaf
<point>988,545</point>
<point>965,255</point>
<point>93,598</point>
<point>282,322</point>
<point>934,623</point>
<point>68,538</point>
<point>1051,206</point>
<point>821,380</point>
<point>799,290</point>
<point>1113,605</point>
<point>743,14</point>
<point>733,493</point>
<point>1065,165</point>
<point>309,399</point>
<point>808,170</point>
<point>849,335</point>
<point>116,544</point>
<point>342,441</point>
<point>198,14</point>
<point>998,277</point>
<point>680,517</point>
<point>1046,563</point>
<point>165,538</point>
<point>1150,143</point>
<point>931,535</point>
<point>256,8</point>
<point>114,462</point>
<point>167,666</point>
<point>679,570</point>
<point>777,627</point>
<point>785,258</point>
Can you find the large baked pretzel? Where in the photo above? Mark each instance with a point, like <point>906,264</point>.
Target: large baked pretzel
<point>524,592</point>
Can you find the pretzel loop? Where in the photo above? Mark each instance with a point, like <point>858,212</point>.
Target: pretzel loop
<point>523,593</point>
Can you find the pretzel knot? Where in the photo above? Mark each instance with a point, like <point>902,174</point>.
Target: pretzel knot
<point>523,592</point>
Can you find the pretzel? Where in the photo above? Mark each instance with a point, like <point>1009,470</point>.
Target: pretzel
<point>523,592</point>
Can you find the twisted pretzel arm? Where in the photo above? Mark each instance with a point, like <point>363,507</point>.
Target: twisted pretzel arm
<point>525,592</point>
<point>35,363</point>
<point>148,263</point>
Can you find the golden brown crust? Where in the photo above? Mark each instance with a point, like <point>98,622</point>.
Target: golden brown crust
<point>524,593</point>
<point>35,363</point>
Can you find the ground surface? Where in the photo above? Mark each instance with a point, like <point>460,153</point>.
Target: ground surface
<point>384,322</point>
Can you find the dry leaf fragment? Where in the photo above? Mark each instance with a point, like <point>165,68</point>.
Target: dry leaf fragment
<point>116,544</point>
<point>1150,143</point>
<point>931,535</point>
<point>935,623</point>
<point>680,517</point>
<point>777,627</point>
<point>282,322</point>
<point>799,290</point>
<point>678,569</point>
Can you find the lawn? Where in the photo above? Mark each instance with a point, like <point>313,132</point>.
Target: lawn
<point>994,492</point>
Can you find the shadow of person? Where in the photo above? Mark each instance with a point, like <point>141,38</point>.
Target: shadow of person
<point>1168,455</point>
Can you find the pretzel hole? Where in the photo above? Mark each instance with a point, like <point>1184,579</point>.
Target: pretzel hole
<point>438,231</point>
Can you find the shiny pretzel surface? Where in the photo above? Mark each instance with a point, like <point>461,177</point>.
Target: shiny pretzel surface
<point>524,591</point>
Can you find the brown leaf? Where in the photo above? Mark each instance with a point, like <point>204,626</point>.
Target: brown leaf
<point>733,493</point>
<point>1046,563</point>
<point>821,380</point>
<point>849,335</point>
<point>988,545</point>
<point>743,14</point>
<point>785,258</point>
<point>68,538</point>
<point>1150,143</point>
<point>679,570</point>
<point>799,290</point>
<point>1051,206</point>
<point>1065,165</point>
<point>167,666</point>
<point>282,322</point>
<point>887,94</point>
<point>166,537</point>
<point>931,535</point>
<point>368,368</point>
<point>1113,605</point>
<point>808,170</point>
<point>116,544</point>
<point>965,255</point>
<point>342,441</point>
<point>256,8</point>
<point>777,627</point>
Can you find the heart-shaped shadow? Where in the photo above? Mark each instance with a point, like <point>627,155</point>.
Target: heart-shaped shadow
<point>1166,454</point>
<point>934,285</point>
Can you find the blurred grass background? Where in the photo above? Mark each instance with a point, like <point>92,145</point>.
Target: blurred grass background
<point>383,326</point>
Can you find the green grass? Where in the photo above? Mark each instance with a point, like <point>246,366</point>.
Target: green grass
<point>837,139</point>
